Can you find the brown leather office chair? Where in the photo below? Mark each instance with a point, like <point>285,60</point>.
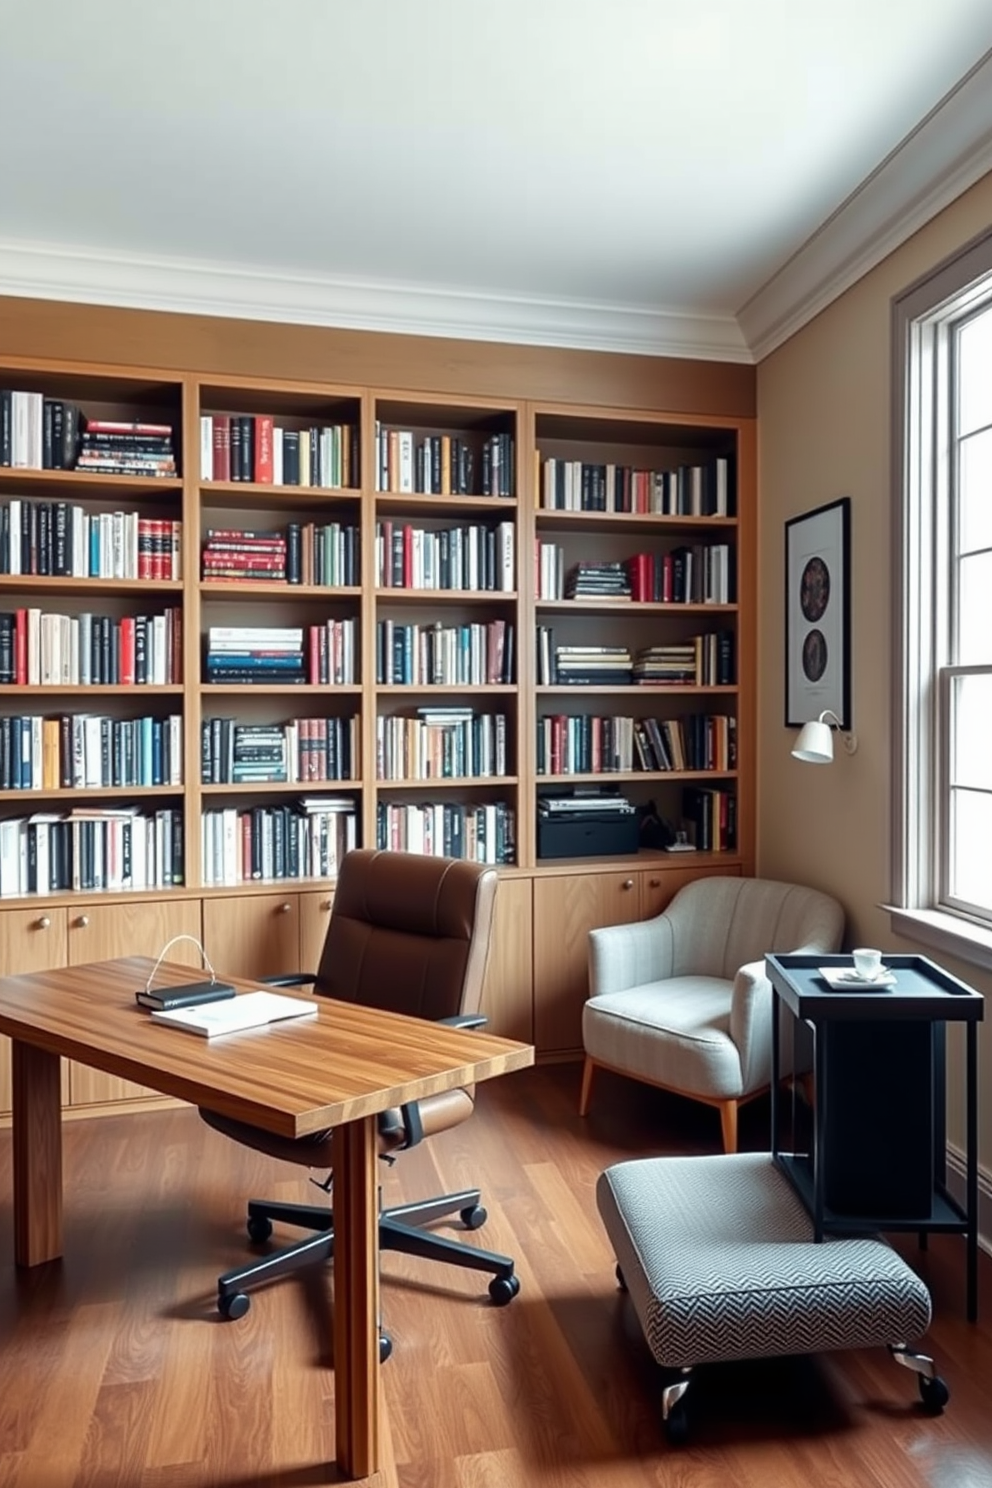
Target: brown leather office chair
<point>409,934</point>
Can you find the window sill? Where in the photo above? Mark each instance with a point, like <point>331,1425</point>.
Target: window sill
<point>944,932</point>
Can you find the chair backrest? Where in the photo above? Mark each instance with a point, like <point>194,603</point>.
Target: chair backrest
<point>720,924</point>
<point>408,933</point>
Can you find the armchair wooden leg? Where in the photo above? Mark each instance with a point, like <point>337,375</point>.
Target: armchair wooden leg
<point>728,1122</point>
<point>588,1070</point>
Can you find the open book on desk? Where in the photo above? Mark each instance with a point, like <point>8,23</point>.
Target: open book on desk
<point>232,1014</point>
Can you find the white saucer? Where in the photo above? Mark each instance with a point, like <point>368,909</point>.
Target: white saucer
<point>846,976</point>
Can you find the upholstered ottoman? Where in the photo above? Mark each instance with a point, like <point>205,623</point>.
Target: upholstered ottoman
<point>719,1259</point>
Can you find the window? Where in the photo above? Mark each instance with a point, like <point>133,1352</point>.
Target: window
<point>942,735</point>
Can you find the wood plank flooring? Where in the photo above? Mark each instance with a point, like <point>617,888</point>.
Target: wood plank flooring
<point>115,1371</point>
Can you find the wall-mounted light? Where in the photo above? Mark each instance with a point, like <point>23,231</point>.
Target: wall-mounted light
<point>815,744</point>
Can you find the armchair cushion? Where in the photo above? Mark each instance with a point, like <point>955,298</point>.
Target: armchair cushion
<point>674,1033</point>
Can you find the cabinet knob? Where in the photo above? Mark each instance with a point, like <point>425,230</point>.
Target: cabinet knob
<point>43,923</point>
<point>83,921</point>
<point>285,908</point>
<point>654,883</point>
<point>326,904</point>
<point>628,883</point>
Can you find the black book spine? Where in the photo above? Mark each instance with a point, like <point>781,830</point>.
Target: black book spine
<point>294,553</point>
<point>236,448</point>
<point>47,435</point>
<point>291,457</point>
<point>70,436</point>
<point>247,447</point>
<point>6,426</point>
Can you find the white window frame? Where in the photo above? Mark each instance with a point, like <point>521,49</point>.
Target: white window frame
<point>923,475</point>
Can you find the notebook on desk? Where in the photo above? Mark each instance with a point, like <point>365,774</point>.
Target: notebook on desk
<point>233,1014</point>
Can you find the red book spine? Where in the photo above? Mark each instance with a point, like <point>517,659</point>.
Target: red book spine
<point>222,446</point>
<point>407,557</point>
<point>125,668</point>
<point>263,449</point>
<point>245,845</point>
<point>21,647</point>
<point>110,426</point>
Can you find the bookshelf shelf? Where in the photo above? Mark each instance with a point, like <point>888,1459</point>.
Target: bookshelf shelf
<point>90,793</point>
<point>242,589</point>
<point>630,607</point>
<point>283,787</point>
<point>598,777</point>
<point>449,782</point>
<point>300,690</point>
<point>43,584</point>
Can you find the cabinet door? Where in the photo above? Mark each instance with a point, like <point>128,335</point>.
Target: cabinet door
<point>101,932</point>
<point>253,935</point>
<point>508,991</point>
<point>315,914</point>
<point>565,910</point>
<point>30,940</point>
<point>660,885</point>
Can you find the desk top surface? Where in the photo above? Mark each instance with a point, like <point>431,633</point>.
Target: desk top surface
<point>290,1078</point>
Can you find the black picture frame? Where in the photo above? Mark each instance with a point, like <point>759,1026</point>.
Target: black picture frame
<point>818,614</point>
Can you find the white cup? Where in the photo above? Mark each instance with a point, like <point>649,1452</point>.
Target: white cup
<point>867,963</point>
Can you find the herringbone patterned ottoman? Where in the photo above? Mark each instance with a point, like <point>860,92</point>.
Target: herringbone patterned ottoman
<point>719,1259</point>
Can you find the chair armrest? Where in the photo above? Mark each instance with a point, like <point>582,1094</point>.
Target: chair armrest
<point>622,956</point>
<point>751,1024</point>
<point>294,979</point>
<point>464,1020</point>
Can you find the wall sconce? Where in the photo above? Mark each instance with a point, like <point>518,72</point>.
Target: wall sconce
<point>815,744</point>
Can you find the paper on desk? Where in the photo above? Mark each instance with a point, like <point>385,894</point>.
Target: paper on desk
<point>250,1010</point>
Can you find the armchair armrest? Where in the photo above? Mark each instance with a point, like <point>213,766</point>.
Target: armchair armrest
<point>751,1023</point>
<point>622,956</point>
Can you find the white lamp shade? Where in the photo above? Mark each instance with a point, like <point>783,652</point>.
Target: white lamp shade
<point>815,744</point>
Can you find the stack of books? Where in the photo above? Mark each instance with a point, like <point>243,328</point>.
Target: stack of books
<point>666,666</point>
<point>598,581</point>
<point>113,448</point>
<point>604,666</point>
<point>246,653</point>
<point>229,553</point>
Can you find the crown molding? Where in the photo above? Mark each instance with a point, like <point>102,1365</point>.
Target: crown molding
<point>89,276</point>
<point>942,157</point>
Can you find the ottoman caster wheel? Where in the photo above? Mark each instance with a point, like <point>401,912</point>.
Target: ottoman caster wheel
<point>232,1308</point>
<point>503,1289</point>
<point>474,1216</point>
<point>676,1425</point>
<point>934,1394</point>
<point>259,1228</point>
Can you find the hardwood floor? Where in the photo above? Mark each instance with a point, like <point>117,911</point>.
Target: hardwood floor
<point>115,1371</point>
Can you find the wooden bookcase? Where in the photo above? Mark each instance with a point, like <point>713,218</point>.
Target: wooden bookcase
<point>486,405</point>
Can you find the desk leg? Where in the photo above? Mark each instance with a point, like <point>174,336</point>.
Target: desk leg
<point>37,1144</point>
<point>356,1299</point>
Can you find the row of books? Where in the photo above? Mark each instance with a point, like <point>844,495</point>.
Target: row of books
<point>253,447</point>
<point>472,557</point>
<point>39,648</point>
<point>480,834</point>
<point>444,464</point>
<point>439,655</point>
<point>55,539</point>
<point>89,849</point>
<point>297,554</point>
<point>83,751</point>
<point>37,433</point>
<point>305,839</point>
<point>318,655</point>
<point>441,743</point>
<point>701,489</point>
<point>710,817</point>
<point>584,743</point>
<point>303,749</point>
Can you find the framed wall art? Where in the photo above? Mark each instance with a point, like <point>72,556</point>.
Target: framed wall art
<point>817,614</point>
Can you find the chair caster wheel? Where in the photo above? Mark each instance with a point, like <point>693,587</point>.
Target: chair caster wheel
<point>259,1228</point>
<point>233,1307</point>
<point>385,1347</point>
<point>621,1282</point>
<point>934,1394</point>
<point>676,1425</point>
<point>474,1217</point>
<point>503,1289</point>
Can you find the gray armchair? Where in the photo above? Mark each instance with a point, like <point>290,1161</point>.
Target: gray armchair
<point>681,1000</point>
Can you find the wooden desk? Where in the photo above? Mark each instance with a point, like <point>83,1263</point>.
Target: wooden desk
<point>338,1070</point>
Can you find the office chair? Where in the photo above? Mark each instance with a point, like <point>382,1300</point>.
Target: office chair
<point>409,934</point>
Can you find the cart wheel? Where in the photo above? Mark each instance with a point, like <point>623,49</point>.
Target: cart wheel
<point>934,1394</point>
<point>473,1217</point>
<point>677,1425</point>
<point>233,1307</point>
<point>259,1228</point>
<point>503,1289</point>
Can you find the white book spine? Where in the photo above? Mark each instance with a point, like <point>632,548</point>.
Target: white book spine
<point>206,447</point>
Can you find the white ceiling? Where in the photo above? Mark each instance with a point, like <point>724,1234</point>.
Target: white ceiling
<point>649,175</point>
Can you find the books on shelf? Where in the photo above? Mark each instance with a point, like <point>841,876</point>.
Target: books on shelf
<point>91,848</point>
<point>116,447</point>
<point>475,557</point>
<point>253,447</point>
<point>710,816</point>
<point>444,464</point>
<point>319,655</point>
<point>56,539</point>
<point>304,749</point>
<point>300,553</point>
<point>299,840</point>
<point>700,489</point>
<point>479,833</point>
<point>472,655</point>
<point>441,743</point>
<point>43,649</point>
<point>83,751</point>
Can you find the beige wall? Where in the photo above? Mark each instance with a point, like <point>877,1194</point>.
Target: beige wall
<point>824,420</point>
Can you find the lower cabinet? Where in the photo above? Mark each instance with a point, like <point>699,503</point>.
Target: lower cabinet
<point>565,910</point>
<point>315,914</point>
<point>508,991</point>
<point>253,935</point>
<point>101,932</point>
<point>30,940</point>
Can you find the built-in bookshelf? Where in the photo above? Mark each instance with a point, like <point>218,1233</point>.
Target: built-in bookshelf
<point>354,617</point>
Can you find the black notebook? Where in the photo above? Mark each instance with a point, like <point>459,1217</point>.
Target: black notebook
<point>190,994</point>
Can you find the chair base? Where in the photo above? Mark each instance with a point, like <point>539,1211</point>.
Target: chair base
<point>399,1230</point>
<point>728,1107</point>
